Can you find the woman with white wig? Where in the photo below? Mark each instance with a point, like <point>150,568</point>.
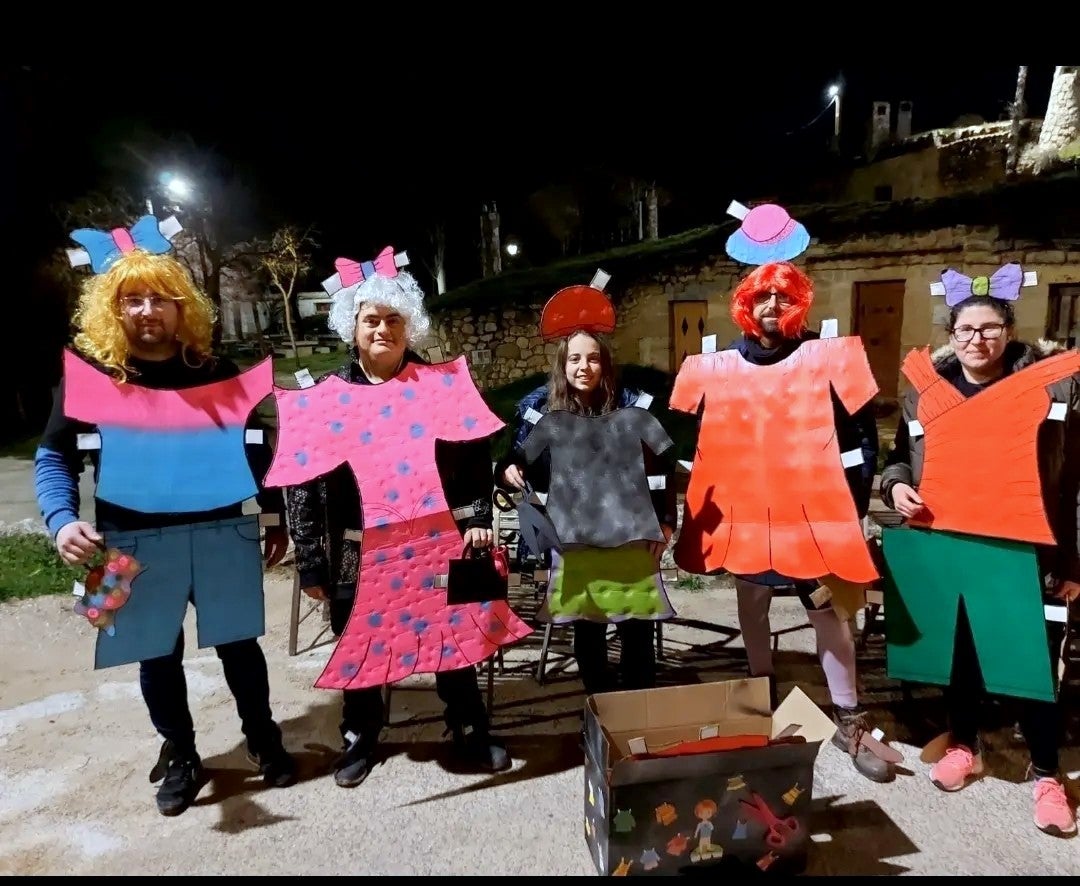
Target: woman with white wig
<point>379,311</point>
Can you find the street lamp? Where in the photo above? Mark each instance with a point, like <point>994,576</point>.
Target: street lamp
<point>834,94</point>
<point>178,188</point>
<point>512,249</point>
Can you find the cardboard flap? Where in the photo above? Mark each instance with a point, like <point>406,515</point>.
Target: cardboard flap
<point>797,710</point>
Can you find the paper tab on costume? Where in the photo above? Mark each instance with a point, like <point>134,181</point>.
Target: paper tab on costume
<point>657,482</point>
<point>644,401</point>
<point>532,416</point>
<point>876,597</point>
<point>914,428</point>
<point>513,580</point>
<point>830,328</point>
<point>78,257</point>
<point>441,581</point>
<point>1056,613</point>
<point>878,734</point>
<point>710,731</point>
<point>540,575</point>
<point>637,745</point>
<point>1058,411</point>
<point>254,435</point>
<point>736,209</point>
<point>250,506</point>
<point>851,458</point>
<point>463,513</point>
<point>88,441</point>
<point>685,465</point>
<point>1031,278</point>
<point>541,497</point>
<point>401,259</point>
<point>170,227</point>
<point>269,519</point>
<point>821,596</point>
<point>78,589</point>
<point>600,279</point>
<point>708,344</point>
<point>937,288</point>
<point>303,378</point>
<point>354,535</point>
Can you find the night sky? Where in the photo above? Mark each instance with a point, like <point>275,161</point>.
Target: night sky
<point>371,158</point>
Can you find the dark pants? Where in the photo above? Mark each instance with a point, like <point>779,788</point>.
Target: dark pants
<point>1040,721</point>
<point>164,690</point>
<point>637,660</point>
<point>364,714</point>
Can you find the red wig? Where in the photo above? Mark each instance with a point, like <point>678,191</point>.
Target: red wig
<point>784,277</point>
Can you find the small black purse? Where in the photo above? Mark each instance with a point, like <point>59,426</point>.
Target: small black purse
<point>478,576</point>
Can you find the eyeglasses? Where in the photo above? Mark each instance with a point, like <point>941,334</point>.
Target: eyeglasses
<point>763,298</point>
<point>134,303</point>
<point>989,332</point>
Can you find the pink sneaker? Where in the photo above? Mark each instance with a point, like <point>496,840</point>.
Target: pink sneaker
<point>953,771</point>
<point>1053,814</point>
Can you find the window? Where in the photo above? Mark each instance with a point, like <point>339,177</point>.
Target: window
<point>481,358</point>
<point>1061,314</point>
<point>882,193</point>
<point>322,307</point>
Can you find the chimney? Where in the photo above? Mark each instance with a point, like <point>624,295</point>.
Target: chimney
<point>879,125</point>
<point>903,121</point>
<point>1062,121</point>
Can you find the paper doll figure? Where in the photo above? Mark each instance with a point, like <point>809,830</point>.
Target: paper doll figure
<point>624,821</point>
<point>677,844</point>
<point>765,862</point>
<point>665,814</point>
<point>740,830</point>
<point>622,869</point>
<point>705,810</point>
<point>599,500</point>
<point>796,515</point>
<point>792,794</point>
<point>650,859</point>
<point>401,623</point>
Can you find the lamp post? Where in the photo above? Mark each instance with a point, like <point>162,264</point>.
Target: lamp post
<point>834,94</point>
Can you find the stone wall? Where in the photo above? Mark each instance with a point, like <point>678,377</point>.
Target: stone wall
<point>643,335</point>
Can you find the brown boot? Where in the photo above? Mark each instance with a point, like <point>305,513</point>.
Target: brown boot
<point>854,736</point>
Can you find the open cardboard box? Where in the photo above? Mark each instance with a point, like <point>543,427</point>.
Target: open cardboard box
<point>652,810</point>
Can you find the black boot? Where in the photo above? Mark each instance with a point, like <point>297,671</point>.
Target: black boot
<point>475,746</point>
<point>357,757</point>
<point>180,774</point>
<point>276,765</point>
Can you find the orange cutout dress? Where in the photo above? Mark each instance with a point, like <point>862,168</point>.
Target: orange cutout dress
<point>962,487</point>
<point>767,487</point>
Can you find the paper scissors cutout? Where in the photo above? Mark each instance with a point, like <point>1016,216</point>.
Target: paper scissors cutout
<point>779,830</point>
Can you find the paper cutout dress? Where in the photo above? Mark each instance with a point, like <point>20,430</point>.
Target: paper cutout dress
<point>599,503</point>
<point>973,547</point>
<point>961,489</point>
<point>767,488</point>
<point>400,622</point>
<point>168,451</point>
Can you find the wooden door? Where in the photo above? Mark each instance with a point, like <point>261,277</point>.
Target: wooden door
<point>687,329</point>
<point>879,314</point>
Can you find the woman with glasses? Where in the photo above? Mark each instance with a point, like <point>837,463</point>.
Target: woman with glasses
<point>968,482</point>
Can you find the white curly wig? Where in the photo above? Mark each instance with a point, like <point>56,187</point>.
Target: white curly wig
<point>402,293</point>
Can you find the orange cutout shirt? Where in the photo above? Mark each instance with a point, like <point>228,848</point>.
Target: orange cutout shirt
<point>982,447</point>
<point>767,488</point>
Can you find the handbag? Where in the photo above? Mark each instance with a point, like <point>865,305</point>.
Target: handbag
<point>478,576</point>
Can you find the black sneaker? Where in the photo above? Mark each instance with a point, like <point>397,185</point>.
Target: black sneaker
<point>180,774</point>
<point>478,747</point>
<point>277,767</point>
<point>354,764</point>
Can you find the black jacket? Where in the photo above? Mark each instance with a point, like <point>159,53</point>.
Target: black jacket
<point>321,511</point>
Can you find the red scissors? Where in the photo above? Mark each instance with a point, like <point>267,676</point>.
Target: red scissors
<point>780,830</point>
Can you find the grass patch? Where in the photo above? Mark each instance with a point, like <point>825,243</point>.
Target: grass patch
<point>30,567</point>
<point>691,583</point>
<point>316,364</point>
<point>20,448</point>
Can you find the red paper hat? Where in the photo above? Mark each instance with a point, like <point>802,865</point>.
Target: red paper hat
<point>578,309</point>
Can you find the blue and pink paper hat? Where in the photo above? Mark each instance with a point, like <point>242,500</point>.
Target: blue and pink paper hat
<point>768,233</point>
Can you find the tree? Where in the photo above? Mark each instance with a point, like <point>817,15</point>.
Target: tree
<point>436,266</point>
<point>286,260</point>
<point>1016,113</point>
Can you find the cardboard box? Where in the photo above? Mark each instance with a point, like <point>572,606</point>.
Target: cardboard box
<point>653,808</point>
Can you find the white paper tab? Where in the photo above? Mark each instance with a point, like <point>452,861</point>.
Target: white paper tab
<point>637,746</point>
<point>644,401</point>
<point>78,589</point>
<point>1031,278</point>
<point>541,497</point>
<point>821,596</point>
<point>250,506</point>
<point>88,441</point>
<point>78,257</point>
<point>1058,411</point>
<point>170,227</point>
<point>441,581</point>
<point>540,575</point>
<point>303,378</point>
<point>532,416</point>
<point>914,428</point>
<point>873,596</point>
<point>937,288</point>
<point>878,734</point>
<point>269,519</point>
<point>685,465</point>
<point>600,279</point>
<point>830,328</point>
<point>710,731</point>
<point>353,535</point>
<point>254,435</point>
<point>401,259</point>
<point>657,482</point>
<point>851,458</point>
<point>736,209</point>
<point>1056,613</point>
<point>708,344</point>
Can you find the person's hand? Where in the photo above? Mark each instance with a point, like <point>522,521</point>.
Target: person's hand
<point>1068,591</point>
<point>657,548</point>
<point>906,500</point>
<point>479,538</point>
<point>316,592</point>
<point>77,542</point>
<point>514,476</point>
<point>275,545</point>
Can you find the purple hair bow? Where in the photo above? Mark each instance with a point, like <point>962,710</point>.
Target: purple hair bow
<point>1005,284</point>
